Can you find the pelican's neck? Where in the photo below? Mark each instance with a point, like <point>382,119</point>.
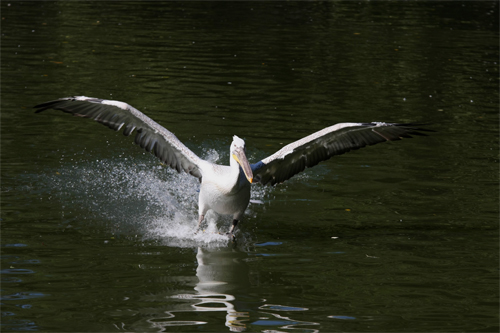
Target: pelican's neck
<point>232,162</point>
<point>237,176</point>
<point>235,167</point>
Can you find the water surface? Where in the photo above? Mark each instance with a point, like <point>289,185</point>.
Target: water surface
<point>97,235</point>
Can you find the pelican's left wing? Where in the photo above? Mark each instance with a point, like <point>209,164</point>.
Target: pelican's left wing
<point>320,146</point>
<point>119,115</point>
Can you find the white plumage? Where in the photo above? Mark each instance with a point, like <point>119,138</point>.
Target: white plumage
<point>226,189</point>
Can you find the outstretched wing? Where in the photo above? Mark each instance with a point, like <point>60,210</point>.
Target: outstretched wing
<point>118,115</point>
<point>320,146</point>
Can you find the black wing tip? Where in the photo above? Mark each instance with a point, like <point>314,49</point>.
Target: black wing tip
<point>51,104</point>
<point>44,106</point>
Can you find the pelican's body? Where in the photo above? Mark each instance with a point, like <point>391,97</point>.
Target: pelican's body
<point>226,189</point>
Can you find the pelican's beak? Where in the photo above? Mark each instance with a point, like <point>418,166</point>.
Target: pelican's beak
<point>241,158</point>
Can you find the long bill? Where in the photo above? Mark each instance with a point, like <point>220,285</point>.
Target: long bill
<point>241,158</point>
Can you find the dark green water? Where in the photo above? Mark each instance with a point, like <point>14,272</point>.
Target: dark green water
<point>399,237</point>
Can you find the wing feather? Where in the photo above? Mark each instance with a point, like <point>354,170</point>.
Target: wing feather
<point>149,135</point>
<point>322,145</point>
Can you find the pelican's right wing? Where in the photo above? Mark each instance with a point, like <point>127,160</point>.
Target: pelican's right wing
<point>322,145</point>
<point>118,115</point>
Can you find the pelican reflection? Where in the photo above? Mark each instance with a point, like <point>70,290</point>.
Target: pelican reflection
<point>222,274</point>
<point>224,291</point>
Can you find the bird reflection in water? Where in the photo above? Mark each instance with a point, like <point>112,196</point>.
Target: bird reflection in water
<point>224,285</point>
<point>221,274</point>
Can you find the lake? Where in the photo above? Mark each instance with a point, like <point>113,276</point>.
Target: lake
<point>97,235</point>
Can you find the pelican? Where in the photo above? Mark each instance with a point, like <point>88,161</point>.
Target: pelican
<point>226,189</point>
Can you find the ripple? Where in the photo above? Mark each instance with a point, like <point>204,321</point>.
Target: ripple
<point>26,261</point>
<point>16,271</point>
<point>269,244</point>
<point>22,295</point>
<point>20,325</point>
<point>273,322</point>
<point>343,317</point>
<point>11,279</point>
<point>177,323</point>
<point>281,308</point>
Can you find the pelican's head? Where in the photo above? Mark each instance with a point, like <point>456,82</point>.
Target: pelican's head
<point>237,151</point>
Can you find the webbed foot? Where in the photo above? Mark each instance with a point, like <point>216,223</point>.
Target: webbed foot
<point>233,227</point>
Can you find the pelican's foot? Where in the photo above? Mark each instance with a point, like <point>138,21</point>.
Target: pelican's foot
<point>233,227</point>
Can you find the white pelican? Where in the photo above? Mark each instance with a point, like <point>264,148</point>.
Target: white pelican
<point>226,189</point>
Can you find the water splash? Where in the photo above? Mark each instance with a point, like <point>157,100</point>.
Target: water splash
<point>143,197</point>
